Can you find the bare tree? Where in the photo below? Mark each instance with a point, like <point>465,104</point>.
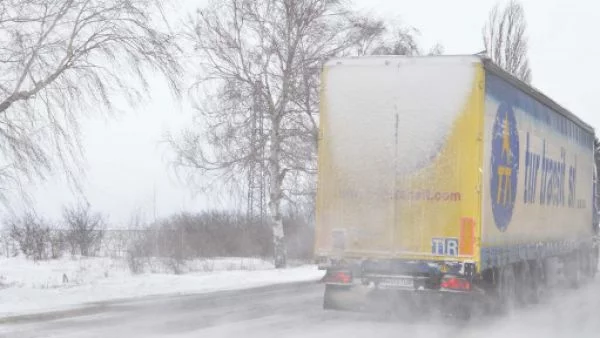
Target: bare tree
<point>85,229</point>
<point>401,41</point>
<point>32,235</point>
<point>60,59</point>
<point>505,40</point>
<point>260,64</point>
<point>437,49</point>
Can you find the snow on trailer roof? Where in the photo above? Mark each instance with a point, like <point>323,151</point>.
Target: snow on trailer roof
<point>488,64</point>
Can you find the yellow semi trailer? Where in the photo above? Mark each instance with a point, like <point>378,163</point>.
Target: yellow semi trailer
<point>445,175</point>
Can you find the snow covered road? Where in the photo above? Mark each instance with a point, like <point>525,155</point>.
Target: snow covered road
<point>294,310</point>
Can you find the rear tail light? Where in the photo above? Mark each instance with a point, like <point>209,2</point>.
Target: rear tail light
<point>341,277</point>
<point>455,283</point>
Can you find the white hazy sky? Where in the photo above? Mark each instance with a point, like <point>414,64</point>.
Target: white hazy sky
<point>126,166</point>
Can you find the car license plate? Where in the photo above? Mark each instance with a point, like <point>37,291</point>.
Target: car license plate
<point>397,283</point>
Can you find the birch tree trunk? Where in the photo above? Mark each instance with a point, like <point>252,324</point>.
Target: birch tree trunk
<point>275,195</point>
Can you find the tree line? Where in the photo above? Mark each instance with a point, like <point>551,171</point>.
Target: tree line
<point>173,242</point>
<point>80,231</point>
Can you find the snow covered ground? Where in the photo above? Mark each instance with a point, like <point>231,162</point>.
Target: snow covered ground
<point>295,311</point>
<point>28,287</point>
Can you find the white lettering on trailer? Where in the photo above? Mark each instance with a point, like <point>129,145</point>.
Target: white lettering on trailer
<point>451,247</point>
<point>444,246</point>
<point>438,246</point>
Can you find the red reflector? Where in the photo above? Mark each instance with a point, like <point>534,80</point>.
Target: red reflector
<point>455,283</point>
<point>340,277</point>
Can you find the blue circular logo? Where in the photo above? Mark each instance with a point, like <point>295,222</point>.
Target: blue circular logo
<point>505,166</point>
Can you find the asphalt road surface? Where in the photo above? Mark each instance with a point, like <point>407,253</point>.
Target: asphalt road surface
<point>295,311</point>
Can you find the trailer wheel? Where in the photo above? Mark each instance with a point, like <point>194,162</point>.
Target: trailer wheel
<point>343,298</point>
<point>539,281</point>
<point>585,263</point>
<point>506,289</point>
<point>591,262</point>
<point>572,269</point>
<point>594,258</point>
<point>524,283</point>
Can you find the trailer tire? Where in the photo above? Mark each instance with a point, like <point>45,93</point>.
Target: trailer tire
<point>585,263</point>
<point>524,283</point>
<point>572,270</point>
<point>591,262</point>
<point>539,281</point>
<point>594,252</point>
<point>506,289</point>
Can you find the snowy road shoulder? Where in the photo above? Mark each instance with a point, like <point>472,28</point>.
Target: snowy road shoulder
<point>41,287</point>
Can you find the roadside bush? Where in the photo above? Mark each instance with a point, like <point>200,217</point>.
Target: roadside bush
<point>300,234</point>
<point>8,244</point>
<point>57,243</point>
<point>134,261</point>
<point>37,239</point>
<point>186,236</point>
<point>211,234</point>
<point>85,230</point>
<point>33,236</point>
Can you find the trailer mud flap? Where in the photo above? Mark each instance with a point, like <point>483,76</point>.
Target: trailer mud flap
<point>345,297</point>
<point>360,298</point>
<point>401,303</point>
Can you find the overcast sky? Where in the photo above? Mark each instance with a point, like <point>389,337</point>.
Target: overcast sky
<point>126,164</point>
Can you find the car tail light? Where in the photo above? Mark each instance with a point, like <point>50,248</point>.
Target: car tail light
<point>455,283</point>
<point>341,277</point>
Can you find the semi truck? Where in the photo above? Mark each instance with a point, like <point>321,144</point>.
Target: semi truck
<point>446,182</point>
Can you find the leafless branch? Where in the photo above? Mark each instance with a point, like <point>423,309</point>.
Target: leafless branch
<point>63,58</point>
<point>505,40</point>
<point>85,229</point>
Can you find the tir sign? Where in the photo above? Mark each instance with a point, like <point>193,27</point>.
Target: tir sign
<point>444,246</point>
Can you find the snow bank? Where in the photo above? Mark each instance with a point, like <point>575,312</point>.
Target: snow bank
<point>28,287</point>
